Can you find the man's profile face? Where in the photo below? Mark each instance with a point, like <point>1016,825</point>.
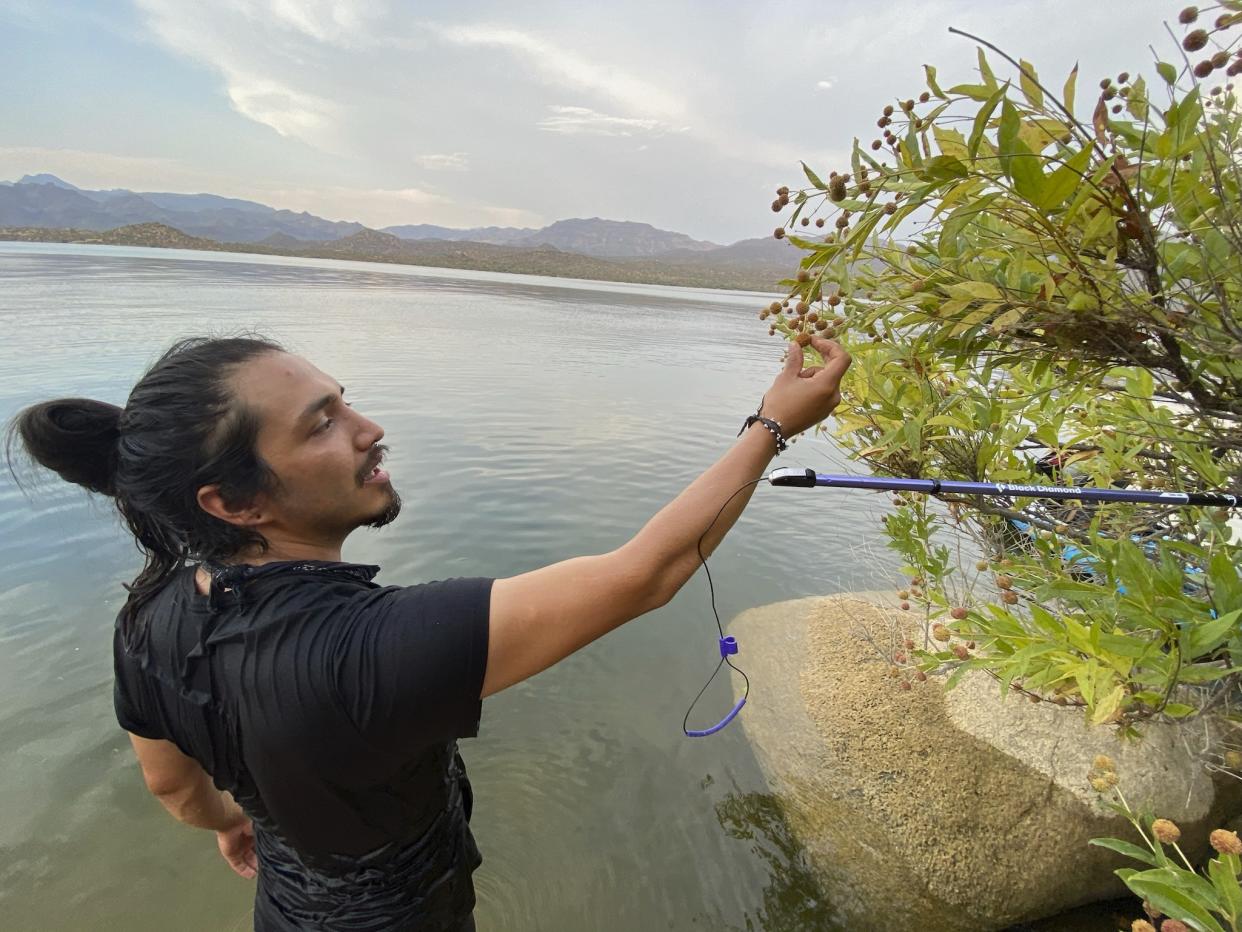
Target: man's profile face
<point>321,450</point>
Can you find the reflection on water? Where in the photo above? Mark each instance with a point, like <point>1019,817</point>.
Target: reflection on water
<point>529,420</point>
<point>792,898</point>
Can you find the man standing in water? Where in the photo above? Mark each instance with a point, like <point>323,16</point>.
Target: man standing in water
<point>278,696</point>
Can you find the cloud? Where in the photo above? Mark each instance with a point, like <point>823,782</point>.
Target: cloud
<point>569,69</point>
<point>261,50</point>
<point>826,85</point>
<point>346,23</point>
<point>444,162</point>
<point>289,112</point>
<point>584,121</point>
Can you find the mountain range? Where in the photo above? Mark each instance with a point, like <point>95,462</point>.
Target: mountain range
<point>45,207</point>
<point>44,200</point>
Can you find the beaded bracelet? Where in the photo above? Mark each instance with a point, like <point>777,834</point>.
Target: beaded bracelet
<point>771,425</point>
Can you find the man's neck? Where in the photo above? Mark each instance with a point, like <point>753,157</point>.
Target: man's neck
<point>284,550</point>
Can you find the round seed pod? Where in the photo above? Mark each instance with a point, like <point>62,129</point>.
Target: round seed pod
<point>1110,93</point>
<point>888,110</point>
<point>842,223</point>
<point>1004,582</point>
<point>819,221</point>
<point>782,191</point>
<point>763,315</point>
<point>836,188</point>
<point>821,325</point>
<point>775,307</point>
<point>924,97</point>
<point>1235,68</point>
<point>1105,83</point>
<point>1224,21</point>
<point>1203,69</point>
<point>806,221</point>
<point>804,275</point>
<point>1188,15</point>
<point>981,565</point>
<point>1123,78</point>
<point>802,307</point>
<point>776,207</point>
<point>890,208</point>
<point>779,232</point>
<point>1009,597</point>
<point>907,105</point>
<point>958,613</point>
<point>812,317</point>
<point>1220,59</point>
<point>1116,108</point>
<point>876,144</point>
<point>834,300</point>
<point>905,606</point>
<point>803,339</point>
<point>1195,40</point>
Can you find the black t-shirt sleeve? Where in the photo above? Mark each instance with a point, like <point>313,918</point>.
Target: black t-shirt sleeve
<point>127,692</point>
<point>409,662</point>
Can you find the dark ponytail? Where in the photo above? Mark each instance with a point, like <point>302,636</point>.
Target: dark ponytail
<point>76,438</point>
<point>181,429</point>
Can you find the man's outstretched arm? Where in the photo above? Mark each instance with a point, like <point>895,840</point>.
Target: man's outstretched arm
<point>541,617</point>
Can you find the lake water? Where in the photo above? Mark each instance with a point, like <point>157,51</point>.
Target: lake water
<point>530,420</point>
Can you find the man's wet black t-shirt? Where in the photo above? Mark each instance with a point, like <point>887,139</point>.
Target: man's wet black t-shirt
<point>329,707</point>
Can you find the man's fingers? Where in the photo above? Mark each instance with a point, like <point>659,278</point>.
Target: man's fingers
<point>836,359</point>
<point>793,360</point>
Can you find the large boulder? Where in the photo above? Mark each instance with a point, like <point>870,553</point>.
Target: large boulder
<point>954,810</point>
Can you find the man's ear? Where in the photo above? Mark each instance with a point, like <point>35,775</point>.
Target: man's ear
<point>212,502</point>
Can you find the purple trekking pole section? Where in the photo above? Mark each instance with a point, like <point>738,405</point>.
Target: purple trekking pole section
<point>808,478</point>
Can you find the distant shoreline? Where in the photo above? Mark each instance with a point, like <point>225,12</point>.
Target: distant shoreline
<point>480,257</point>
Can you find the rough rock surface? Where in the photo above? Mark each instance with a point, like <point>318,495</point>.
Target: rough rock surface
<point>933,810</point>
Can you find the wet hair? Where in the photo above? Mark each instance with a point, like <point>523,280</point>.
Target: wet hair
<point>181,429</point>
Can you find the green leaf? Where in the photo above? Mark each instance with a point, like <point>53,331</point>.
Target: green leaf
<point>982,118</point>
<point>944,167</point>
<point>1030,84</point>
<point>1201,638</point>
<point>1159,888</point>
<point>986,70</point>
<point>1065,180</point>
<point>931,81</point>
<point>1007,135</point>
<point>1028,179</point>
<point>1179,710</point>
<point>1067,93</point>
<point>1108,705</point>
<point>1225,880</point>
<point>1167,71</point>
<point>1124,847</point>
<point>813,178</point>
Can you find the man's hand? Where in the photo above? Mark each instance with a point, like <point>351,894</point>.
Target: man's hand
<point>237,847</point>
<point>801,398</point>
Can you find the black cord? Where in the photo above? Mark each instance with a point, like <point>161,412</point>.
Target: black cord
<point>685,725</point>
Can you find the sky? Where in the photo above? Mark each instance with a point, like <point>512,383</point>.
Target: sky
<point>684,115</point>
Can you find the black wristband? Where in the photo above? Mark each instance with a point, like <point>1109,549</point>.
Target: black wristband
<point>771,425</point>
